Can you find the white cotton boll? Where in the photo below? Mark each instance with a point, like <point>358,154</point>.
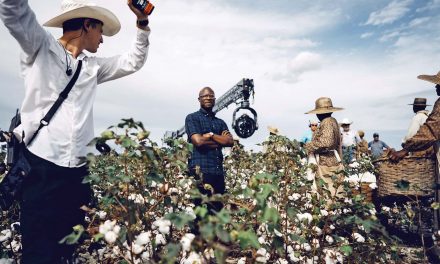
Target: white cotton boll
<point>358,237</point>
<point>16,246</point>
<point>164,230</point>
<point>5,235</point>
<point>107,226</point>
<point>145,255</point>
<point>153,184</point>
<point>290,249</point>
<point>293,258</point>
<point>190,211</point>
<point>372,211</point>
<point>243,186</point>
<point>242,260</point>
<point>329,239</point>
<point>332,257</point>
<point>296,196</point>
<point>15,226</point>
<point>143,238</point>
<point>262,255</point>
<point>332,227</point>
<point>110,237</point>
<point>102,215</point>
<point>317,230</point>
<point>6,261</point>
<point>209,253</point>
<point>315,243</point>
<point>186,241</point>
<point>137,249</point>
<point>386,208</point>
<point>193,258</point>
<point>262,240</point>
<point>372,185</point>
<point>306,247</point>
<point>354,165</point>
<point>86,218</point>
<point>324,212</point>
<point>305,217</point>
<point>116,229</point>
<point>282,261</point>
<point>348,200</point>
<point>160,239</point>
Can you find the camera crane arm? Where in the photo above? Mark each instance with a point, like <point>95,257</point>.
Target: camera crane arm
<point>238,94</point>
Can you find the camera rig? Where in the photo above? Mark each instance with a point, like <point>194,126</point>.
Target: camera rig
<point>245,125</point>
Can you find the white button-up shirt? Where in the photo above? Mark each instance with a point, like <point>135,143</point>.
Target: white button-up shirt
<point>43,66</point>
<point>349,138</point>
<point>416,122</point>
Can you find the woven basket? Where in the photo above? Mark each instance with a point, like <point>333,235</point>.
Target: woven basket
<point>418,171</point>
<point>365,190</point>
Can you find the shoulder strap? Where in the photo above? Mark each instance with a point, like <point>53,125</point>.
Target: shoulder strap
<point>63,96</point>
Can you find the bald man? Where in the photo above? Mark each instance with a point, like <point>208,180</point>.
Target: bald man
<point>209,135</point>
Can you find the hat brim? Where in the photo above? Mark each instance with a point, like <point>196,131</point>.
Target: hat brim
<point>420,104</point>
<point>111,24</point>
<point>430,78</point>
<point>324,110</point>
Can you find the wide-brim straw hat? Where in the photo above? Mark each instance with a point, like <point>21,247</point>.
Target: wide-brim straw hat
<point>419,102</point>
<point>324,105</point>
<point>71,9</point>
<point>430,78</point>
<point>346,121</point>
<point>273,130</point>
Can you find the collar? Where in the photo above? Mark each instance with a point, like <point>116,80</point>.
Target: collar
<point>206,113</point>
<point>425,112</point>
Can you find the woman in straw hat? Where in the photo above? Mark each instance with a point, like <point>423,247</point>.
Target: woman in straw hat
<point>53,193</point>
<point>427,136</point>
<point>326,143</point>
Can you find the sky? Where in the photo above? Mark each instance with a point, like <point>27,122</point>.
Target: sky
<point>364,55</point>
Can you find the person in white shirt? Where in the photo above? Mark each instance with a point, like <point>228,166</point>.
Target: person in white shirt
<point>350,139</point>
<point>53,192</point>
<point>419,119</point>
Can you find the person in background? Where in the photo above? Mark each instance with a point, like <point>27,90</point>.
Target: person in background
<point>362,146</point>
<point>307,137</point>
<point>53,192</point>
<point>421,114</point>
<point>350,139</point>
<point>377,147</point>
<point>326,144</point>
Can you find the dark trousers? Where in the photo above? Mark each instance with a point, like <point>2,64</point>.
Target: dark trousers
<point>50,207</point>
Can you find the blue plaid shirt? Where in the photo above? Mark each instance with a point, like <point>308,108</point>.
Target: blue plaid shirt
<point>209,160</point>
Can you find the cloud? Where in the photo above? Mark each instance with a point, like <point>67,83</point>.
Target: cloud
<point>389,36</point>
<point>367,35</point>
<point>418,21</point>
<point>303,62</point>
<point>389,14</point>
<point>431,5</point>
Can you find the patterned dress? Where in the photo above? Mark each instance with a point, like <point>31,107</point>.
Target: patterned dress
<point>326,139</point>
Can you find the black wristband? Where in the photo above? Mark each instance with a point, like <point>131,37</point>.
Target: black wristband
<point>142,23</point>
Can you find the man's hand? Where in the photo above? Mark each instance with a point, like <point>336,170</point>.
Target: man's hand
<point>396,156</point>
<point>142,19</point>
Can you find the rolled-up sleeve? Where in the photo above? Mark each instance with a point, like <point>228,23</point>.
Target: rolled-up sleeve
<point>124,64</point>
<point>192,126</point>
<point>23,26</point>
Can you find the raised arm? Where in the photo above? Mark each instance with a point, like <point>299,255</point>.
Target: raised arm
<point>23,26</point>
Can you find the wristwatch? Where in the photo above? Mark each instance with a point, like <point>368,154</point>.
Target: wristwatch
<point>142,23</point>
<point>211,134</point>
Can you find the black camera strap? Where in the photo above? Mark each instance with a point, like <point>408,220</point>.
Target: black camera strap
<point>63,96</point>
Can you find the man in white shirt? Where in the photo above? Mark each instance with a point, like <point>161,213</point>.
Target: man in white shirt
<point>53,192</point>
<point>350,139</point>
<point>419,119</point>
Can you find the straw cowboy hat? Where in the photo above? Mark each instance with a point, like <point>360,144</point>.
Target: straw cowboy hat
<point>324,105</point>
<point>71,9</point>
<point>346,121</point>
<point>419,102</point>
<point>273,130</point>
<point>430,78</point>
<point>361,133</point>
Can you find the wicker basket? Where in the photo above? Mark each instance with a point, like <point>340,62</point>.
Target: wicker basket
<point>365,190</point>
<point>418,171</point>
